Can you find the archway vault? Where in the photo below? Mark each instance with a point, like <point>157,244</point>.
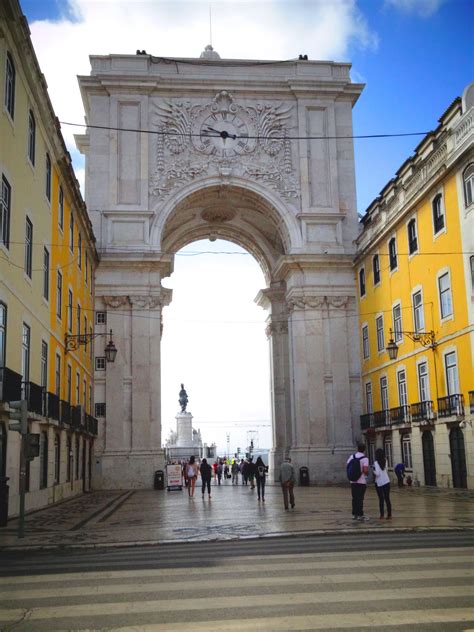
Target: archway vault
<point>232,212</point>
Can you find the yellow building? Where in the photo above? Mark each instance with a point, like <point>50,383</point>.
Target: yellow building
<point>47,263</point>
<point>415,273</point>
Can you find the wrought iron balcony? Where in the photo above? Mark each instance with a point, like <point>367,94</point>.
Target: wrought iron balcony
<point>34,396</point>
<point>366,421</point>
<point>10,385</point>
<point>52,406</point>
<point>451,406</point>
<point>76,416</point>
<point>91,424</point>
<point>471,401</point>
<point>65,412</point>
<point>422,411</point>
<point>399,415</point>
<point>381,418</point>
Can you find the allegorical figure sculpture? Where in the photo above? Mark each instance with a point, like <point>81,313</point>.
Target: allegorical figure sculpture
<point>183,399</point>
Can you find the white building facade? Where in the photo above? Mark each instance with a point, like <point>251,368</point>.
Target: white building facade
<point>260,154</point>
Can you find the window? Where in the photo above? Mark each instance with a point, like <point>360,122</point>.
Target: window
<point>369,405</point>
<point>402,388</point>
<point>78,389</point>
<point>59,295</point>
<point>452,380</point>
<point>100,410</point>
<point>85,333</point>
<point>71,234</point>
<point>387,446</point>
<point>438,213</point>
<point>100,364</point>
<point>69,455</point>
<point>57,459</point>
<point>44,365</point>
<point>57,376</point>
<point>412,237</point>
<point>418,312</point>
<point>397,322</point>
<point>69,383</point>
<point>5,207</point>
<point>376,269</point>
<point>46,274</point>
<point>90,399</point>
<point>43,483</point>
<point>91,348</point>
<point>48,178</point>
<point>25,353</point>
<point>86,268</point>
<point>79,250</point>
<point>423,382</point>
<point>69,310</point>
<point>78,445</point>
<point>10,77</point>
<point>406,451</point>
<point>380,336</point>
<point>78,320</point>
<point>84,393</point>
<point>445,298</point>
<point>392,253</point>
<point>371,451</point>
<point>365,342</point>
<point>362,281</point>
<point>3,333</point>
<point>61,208</point>
<point>31,137</point>
<point>28,247</point>
<point>468,180</point>
<point>100,318</point>
<point>384,392</point>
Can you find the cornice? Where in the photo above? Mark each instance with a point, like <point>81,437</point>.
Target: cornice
<point>301,262</point>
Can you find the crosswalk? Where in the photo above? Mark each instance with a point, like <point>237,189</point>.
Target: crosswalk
<point>401,589</point>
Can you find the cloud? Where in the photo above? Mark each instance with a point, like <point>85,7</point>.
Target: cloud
<point>242,30</point>
<point>422,8</point>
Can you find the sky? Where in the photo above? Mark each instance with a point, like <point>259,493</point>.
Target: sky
<point>414,57</point>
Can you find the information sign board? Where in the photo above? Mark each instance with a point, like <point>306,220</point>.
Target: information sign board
<point>174,476</point>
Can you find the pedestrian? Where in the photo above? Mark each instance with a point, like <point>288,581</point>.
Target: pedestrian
<point>260,472</point>
<point>400,473</point>
<point>214,470</point>
<point>235,473</point>
<point>219,473</point>
<point>287,479</point>
<point>206,475</point>
<point>382,483</point>
<point>192,470</point>
<point>226,472</point>
<point>251,469</point>
<point>243,471</point>
<point>357,470</point>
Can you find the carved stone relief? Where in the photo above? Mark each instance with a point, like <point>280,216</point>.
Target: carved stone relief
<point>190,143</point>
<point>115,301</point>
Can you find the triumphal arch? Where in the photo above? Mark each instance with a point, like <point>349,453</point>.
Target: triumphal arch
<point>258,153</point>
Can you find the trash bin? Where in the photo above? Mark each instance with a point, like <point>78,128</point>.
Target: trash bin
<point>4,489</point>
<point>159,479</point>
<point>304,476</point>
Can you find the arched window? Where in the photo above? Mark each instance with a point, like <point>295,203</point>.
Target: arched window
<point>387,446</point>
<point>31,137</point>
<point>438,213</point>
<point>376,269</point>
<point>412,237</point>
<point>468,179</point>
<point>10,78</point>
<point>44,460</point>
<point>406,451</point>
<point>392,253</point>
<point>362,281</point>
<point>48,178</point>
<point>57,459</point>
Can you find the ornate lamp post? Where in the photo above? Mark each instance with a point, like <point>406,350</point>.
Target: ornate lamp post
<point>425,338</point>
<point>74,342</point>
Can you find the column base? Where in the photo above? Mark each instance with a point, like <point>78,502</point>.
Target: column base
<point>126,470</point>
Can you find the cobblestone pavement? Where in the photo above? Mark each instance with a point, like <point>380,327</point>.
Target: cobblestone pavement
<point>135,517</point>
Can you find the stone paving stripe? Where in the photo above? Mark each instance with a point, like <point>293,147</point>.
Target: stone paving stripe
<point>391,618</point>
<point>116,508</point>
<point>90,517</point>
<point>290,575</point>
<point>165,574</point>
<point>247,601</point>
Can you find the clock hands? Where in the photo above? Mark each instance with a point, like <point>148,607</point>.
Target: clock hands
<point>224,134</point>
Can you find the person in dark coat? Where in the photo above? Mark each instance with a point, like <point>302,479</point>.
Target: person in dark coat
<point>260,474</point>
<point>251,469</point>
<point>243,471</point>
<point>206,475</point>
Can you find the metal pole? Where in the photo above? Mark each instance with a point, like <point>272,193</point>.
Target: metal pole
<point>21,523</point>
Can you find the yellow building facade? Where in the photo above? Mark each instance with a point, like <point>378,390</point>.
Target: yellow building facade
<point>47,263</point>
<point>415,274</point>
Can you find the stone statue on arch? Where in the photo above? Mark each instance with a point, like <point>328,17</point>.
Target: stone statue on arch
<point>183,399</point>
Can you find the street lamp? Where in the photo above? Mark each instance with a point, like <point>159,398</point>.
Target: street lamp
<point>425,338</point>
<point>74,342</point>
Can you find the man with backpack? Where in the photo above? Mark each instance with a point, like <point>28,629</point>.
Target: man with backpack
<point>357,469</point>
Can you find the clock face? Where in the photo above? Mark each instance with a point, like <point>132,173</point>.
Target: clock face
<point>224,134</point>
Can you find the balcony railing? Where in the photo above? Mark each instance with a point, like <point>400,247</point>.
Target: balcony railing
<point>399,415</point>
<point>34,396</point>
<point>381,418</point>
<point>52,406</point>
<point>76,416</point>
<point>422,411</point>
<point>65,412</point>
<point>10,385</point>
<point>366,421</point>
<point>91,424</point>
<point>471,401</point>
<point>452,405</point>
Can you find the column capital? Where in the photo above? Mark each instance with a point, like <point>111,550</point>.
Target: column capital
<point>276,327</point>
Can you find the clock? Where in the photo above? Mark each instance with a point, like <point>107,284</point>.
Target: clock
<point>224,134</point>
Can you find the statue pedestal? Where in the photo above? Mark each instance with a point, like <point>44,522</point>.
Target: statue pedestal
<point>184,429</point>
